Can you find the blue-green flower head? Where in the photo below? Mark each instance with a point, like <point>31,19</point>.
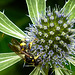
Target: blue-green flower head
<point>55,35</point>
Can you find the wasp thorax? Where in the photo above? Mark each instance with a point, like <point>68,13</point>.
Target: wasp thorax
<point>53,36</point>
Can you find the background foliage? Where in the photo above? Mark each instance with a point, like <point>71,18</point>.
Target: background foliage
<point>16,11</point>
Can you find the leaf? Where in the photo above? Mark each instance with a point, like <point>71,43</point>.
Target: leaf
<point>73,13</point>
<point>71,59</point>
<point>8,59</point>
<point>62,71</point>
<point>58,72</point>
<point>9,28</point>
<point>35,9</point>
<point>37,71</point>
<point>69,8</point>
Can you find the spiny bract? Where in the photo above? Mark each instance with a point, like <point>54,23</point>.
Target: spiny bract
<point>55,37</point>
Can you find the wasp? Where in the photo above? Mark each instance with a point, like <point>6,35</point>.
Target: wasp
<point>26,56</point>
<point>24,46</point>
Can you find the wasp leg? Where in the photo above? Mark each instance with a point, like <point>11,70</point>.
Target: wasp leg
<point>38,56</point>
<point>24,65</point>
<point>25,53</point>
<point>30,44</point>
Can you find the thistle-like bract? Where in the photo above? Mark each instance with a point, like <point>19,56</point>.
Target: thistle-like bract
<point>55,36</point>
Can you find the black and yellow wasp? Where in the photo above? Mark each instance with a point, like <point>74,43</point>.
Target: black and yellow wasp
<point>24,46</point>
<point>21,50</point>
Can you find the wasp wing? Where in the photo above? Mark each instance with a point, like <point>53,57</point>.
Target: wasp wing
<point>16,49</point>
<point>15,42</point>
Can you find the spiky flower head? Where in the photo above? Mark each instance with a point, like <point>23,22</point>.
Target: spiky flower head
<point>55,38</point>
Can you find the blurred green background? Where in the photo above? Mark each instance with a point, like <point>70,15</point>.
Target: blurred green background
<point>16,11</point>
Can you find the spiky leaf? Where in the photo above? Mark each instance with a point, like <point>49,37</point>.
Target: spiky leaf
<point>64,71</point>
<point>9,28</point>
<point>36,8</point>
<point>37,71</point>
<point>71,59</point>
<point>8,59</point>
<point>69,9</point>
